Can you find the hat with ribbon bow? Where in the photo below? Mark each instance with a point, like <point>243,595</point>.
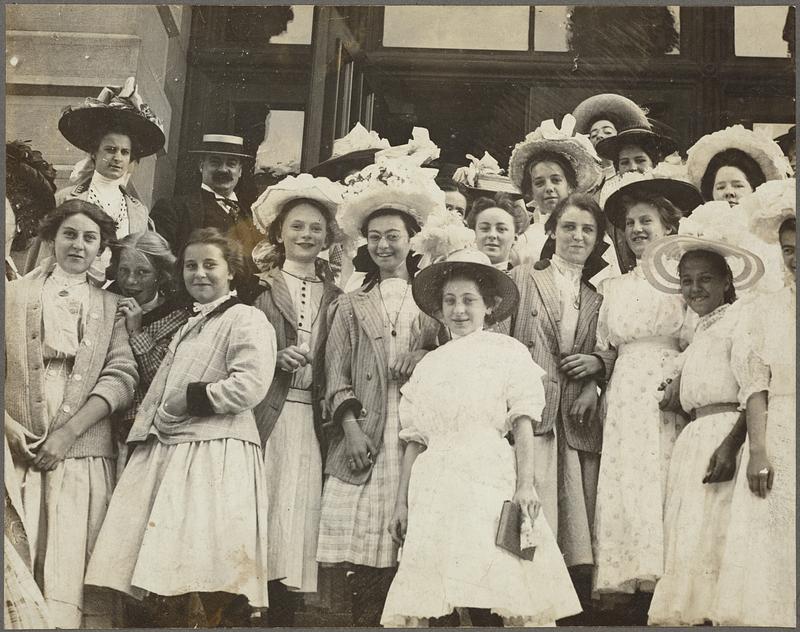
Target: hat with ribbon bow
<point>485,177</point>
<point>115,108</point>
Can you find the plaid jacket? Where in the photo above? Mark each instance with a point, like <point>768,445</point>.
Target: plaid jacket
<point>536,325</point>
<point>357,372</point>
<point>276,303</point>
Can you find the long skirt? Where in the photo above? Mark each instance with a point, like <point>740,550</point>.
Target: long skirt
<point>24,607</point>
<point>188,517</point>
<point>293,467</point>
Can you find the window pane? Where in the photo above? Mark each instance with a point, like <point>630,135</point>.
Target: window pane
<point>550,29</point>
<point>467,27</point>
<point>773,130</point>
<point>274,25</point>
<point>298,31</point>
<point>758,31</point>
<point>283,143</point>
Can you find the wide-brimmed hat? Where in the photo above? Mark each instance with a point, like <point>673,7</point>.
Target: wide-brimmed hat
<point>756,144</point>
<point>484,177</point>
<point>30,188</point>
<point>683,195</point>
<point>356,150</point>
<point>576,148</point>
<point>115,107</point>
<point>785,141</point>
<point>222,145</point>
<point>269,204</point>
<point>655,144</point>
<point>621,111</point>
<point>714,226</point>
<point>769,206</point>
<point>427,285</point>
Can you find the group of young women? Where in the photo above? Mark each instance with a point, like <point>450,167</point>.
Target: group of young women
<point>601,368</point>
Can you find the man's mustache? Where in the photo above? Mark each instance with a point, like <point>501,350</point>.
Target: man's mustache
<point>222,176</point>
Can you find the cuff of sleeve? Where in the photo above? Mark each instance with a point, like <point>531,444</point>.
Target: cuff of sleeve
<point>141,342</point>
<point>351,404</point>
<point>198,403</point>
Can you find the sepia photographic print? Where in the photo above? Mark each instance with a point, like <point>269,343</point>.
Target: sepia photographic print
<point>399,316</point>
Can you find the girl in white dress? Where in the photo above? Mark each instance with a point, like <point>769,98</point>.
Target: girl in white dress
<point>757,577</point>
<point>638,338</point>
<point>297,216</point>
<point>190,511</point>
<point>377,336</point>
<point>697,514</point>
<point>458,468</point>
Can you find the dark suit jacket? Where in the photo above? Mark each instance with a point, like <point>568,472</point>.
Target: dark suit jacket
<point>175,220</point>
<point>276,303</point>
<point>536,325</point>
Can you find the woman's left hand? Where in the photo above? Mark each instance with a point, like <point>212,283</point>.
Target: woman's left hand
<point>404,364</point>
<point>760,474</point>
<point>580,365</point>
<point>54,449</point>
<point>526,498</point>
<point>132,312</point>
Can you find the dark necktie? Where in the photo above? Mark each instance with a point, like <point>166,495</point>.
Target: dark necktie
<point>232,206</point>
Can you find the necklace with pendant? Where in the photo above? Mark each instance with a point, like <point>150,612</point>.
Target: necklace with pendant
<point>393,324</point>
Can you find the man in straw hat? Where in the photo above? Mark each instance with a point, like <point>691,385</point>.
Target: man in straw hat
<point>215,204</point>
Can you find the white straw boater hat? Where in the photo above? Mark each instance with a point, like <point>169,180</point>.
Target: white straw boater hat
<point>714,226</point>
<point>427,285</point>
<point>621,111</point>
<point>769,206</point>
<point>356,150</point>
<point>576,148</point>
<point>115,106</point>
<point>485,177</point>
<point>683,195</point>
<point>223,145</point>
<point>756,144</point>
<point>395,181</point>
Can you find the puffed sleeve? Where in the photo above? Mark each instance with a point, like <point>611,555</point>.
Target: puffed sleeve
<point>524,386</point>
<point>413,410</point>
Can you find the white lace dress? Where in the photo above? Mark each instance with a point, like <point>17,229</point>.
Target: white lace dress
<point>757,579</point>
<point>460,402</point>
<point>643,324</point>
<point>696,515</point>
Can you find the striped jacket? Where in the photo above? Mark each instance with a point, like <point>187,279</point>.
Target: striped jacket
<point>276,303</point>
<point>356,371</point>
<point>536,325</point>
<point>104,366</point>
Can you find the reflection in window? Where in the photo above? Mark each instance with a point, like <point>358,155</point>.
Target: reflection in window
<point>282,146</point>
<point>758,31</point>
<point>273,24</point>
<point>637,32</point>
<point>464,27</point>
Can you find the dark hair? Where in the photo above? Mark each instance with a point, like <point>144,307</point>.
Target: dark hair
<point>152,247</point>
<point>790,223</point>
<point>484,282</point>
<point>48,228</point>
<point>584,202</point>
<point>669,213</point>
<point>502,201</point>
<point>718,265</point>
<point>731,158</point>
<point>648,148</point>
<point>275,228</point>
<point>231,252</point>
<point>410,223</point>
<point>549,156</point>
<point>449,185</point>
<point>136,148</point>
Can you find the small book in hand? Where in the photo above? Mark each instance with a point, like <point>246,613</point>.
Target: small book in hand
<point>509,529</point>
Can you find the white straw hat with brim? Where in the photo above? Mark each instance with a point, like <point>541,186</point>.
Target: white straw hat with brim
<point>621,111</point>
<point>485,177</point>
<point>427,286</point>
<point>769,206</point>
<point>714,226</point>
<point>636,185</point>
<point>576,148</point>
<point>756,144</point>
<point>389,184</point>
<point>269,204</point>
<point>355,150</point>
<point>222,145</point>
<point>115,107</point>
<point>648,140</point>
